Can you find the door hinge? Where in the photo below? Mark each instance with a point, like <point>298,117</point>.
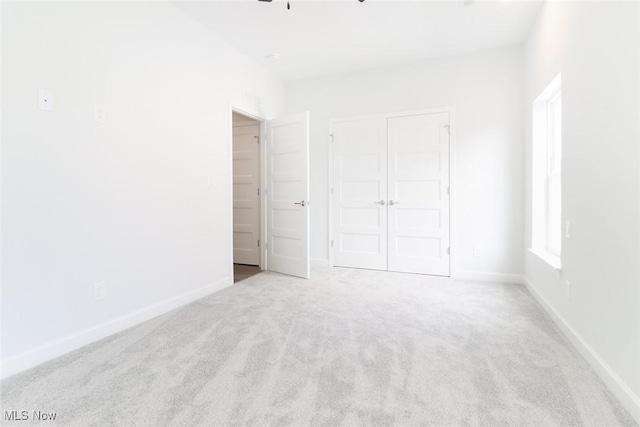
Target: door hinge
<point>258,191</point>
<point>332,139</point>
<point>331,190</point>
<point>448,251</point>
<point>258,242</point>
<point>332,243</point>
<point>257,139</point>
<point>448,191</point>
<point>448,128</point>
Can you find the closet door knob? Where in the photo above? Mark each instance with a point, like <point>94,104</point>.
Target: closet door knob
<point>381,202</point>
<point>391,203</point>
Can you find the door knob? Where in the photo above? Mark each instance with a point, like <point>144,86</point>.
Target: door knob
<point>302,203</point>
<point>381,202</point>
<point>391,203</point>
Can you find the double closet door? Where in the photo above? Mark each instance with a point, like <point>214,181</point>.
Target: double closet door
<point>391,193</point>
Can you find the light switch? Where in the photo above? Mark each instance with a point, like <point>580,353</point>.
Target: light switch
<point>45,100</point>
<point>99,113</point>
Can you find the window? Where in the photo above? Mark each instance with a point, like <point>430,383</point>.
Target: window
<point>547,175</point>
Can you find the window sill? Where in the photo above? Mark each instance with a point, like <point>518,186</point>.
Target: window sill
<point>550,260</point>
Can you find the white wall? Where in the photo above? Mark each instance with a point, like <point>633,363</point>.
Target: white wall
<point>595,46</point>
<point>486,91</point>
<point>140,202</point>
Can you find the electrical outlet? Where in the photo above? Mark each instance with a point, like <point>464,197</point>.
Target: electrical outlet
<point>45,100</point>
<point>476,251</point>
<point>99,291</point>
<point>567,289</point>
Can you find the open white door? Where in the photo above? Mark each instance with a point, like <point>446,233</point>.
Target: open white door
<point>288,195</point>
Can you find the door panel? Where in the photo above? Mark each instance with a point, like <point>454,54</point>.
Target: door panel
<point>360,184</point>
<point>246,201</point>
<point>288,195</point>
<point>418,175</point>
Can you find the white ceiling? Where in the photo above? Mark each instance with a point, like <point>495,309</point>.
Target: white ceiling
<point>326,37</point>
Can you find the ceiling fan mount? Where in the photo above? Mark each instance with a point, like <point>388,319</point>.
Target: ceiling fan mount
<point>289,5</point>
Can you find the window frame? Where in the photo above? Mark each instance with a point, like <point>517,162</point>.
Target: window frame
<point>546,239</point>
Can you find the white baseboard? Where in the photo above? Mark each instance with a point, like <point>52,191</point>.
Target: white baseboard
<point>69,343</point>
<point>626,396</point>
<point>482,276</point>
<point>319,262</point>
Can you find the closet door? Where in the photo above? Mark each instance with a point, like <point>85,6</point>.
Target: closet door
<point>246,201</point>
<point>418,167</point>
<point>360,194</point>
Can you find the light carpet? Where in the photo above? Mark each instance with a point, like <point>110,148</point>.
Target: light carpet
<point>348,347</point>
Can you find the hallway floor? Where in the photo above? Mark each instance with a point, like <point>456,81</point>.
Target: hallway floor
<point>242,271</point>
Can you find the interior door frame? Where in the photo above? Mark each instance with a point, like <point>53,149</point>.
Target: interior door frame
<point>263,183</point>
<point>452,173</point>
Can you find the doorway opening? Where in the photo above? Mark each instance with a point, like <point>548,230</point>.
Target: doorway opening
<point>246,172</point>
<point>269,168</point>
